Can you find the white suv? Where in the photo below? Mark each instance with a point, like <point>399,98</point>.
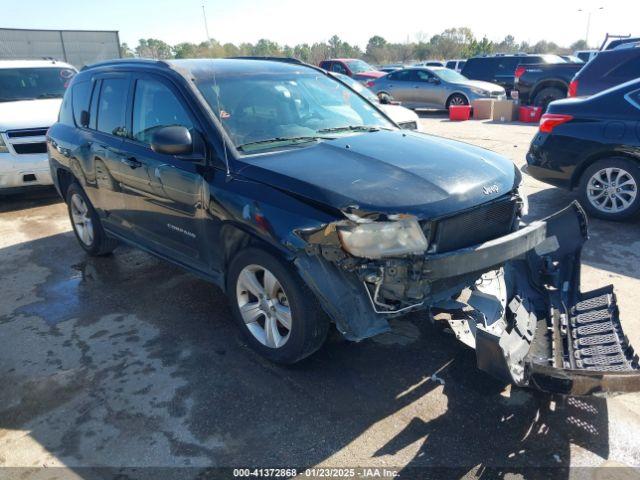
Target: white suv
<point>30,96</point>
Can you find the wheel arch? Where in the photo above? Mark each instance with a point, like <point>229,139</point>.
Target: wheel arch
<point>234,238</point>
<point>456,92</point>
<point>550,83</point>
<point>64,179</point>
<point>582,166</point>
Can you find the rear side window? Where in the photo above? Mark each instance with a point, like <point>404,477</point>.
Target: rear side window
<point>486,68</point>
<point>338,68</point>
<point>155,106</point>
<point>627,70</point>
<point>508,65</point>
<point>81,93</point>
<point>403,76</point>
<point>112,106</point>
<point>451,65</point>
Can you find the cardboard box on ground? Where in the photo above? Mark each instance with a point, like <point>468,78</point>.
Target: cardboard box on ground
<point>504,111</point>
<point>483,108</point>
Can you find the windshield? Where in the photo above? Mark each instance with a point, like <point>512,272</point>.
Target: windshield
<point>264,110</point>
<point>450,75</point>
<point>358,66</point>
<point>33,83</point>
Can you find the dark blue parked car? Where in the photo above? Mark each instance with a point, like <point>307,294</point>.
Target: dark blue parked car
<point>593,145</point>
<point>307,205</point>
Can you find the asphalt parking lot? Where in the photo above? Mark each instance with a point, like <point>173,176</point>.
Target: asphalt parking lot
<point>129,361</point>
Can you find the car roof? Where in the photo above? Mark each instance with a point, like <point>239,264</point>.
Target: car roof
<point>34,64</point>
<point>199,68</point>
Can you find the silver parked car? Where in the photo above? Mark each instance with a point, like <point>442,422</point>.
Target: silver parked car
<point>435,87</point>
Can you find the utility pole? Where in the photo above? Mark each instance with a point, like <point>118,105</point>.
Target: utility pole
<point>589,12</point>
<point>206,28</point>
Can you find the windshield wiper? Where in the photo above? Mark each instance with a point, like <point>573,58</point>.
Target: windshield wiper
<point>290,140</point>
<point>49,95</point>
<point>351,128</point>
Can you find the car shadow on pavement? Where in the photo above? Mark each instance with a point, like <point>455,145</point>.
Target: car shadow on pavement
<point>36,197</point>
<point>127,360</point>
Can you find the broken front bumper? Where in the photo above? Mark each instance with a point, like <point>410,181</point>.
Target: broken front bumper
<point>550,336</point>
<point>536,329</point>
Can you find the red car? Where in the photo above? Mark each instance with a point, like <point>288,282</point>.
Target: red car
<point>353,67</point>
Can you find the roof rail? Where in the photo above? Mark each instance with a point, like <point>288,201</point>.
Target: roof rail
<point>272,59</point>
<point>127,61</point>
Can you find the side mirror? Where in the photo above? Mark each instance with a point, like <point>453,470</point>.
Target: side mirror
<point>434,80</point>
<point>175,140</point>
<point>84,118</point>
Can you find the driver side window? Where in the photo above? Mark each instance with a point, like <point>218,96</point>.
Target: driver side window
<point>155,106</point>
<point>337,67</point>
<point>423,76</point>
<point>403,76</point>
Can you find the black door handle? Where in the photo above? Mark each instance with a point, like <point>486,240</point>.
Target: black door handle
<point>131,162</point>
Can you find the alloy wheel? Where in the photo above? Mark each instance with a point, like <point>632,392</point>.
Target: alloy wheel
<point>81,218</point>
<point>264,306</point>
<point>457,100</point>
<point>611,190</point>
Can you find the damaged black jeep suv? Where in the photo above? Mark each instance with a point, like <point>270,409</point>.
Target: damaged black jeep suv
<point>308,205</point>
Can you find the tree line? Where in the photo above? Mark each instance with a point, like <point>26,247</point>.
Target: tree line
<point>452,43</point>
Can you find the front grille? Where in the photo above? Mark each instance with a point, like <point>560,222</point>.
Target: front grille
<point>477,225</point>
<point>408,125</point>
<point>29,148</point>
<point>30,132</point>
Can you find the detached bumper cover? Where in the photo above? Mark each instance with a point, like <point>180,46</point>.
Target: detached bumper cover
<point>545,333</point>
<point>573,342</point>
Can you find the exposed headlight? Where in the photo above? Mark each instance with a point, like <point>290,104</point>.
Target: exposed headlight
<point>479,91</point>
<point>384,239</point>
<point>3,146</point>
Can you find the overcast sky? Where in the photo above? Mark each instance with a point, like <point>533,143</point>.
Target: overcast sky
<point>291,22</point>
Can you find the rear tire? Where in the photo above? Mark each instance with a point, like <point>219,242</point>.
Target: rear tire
<point>274,308</point>
<point>457,99</point>
<point>608,189</point>
<point>547,95</point>
<point>86,223</point>
<point>385,98</point>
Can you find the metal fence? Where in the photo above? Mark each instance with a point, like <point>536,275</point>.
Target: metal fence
<point>77,47</point>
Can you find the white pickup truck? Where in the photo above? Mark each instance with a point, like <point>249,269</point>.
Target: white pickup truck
<point>30,96</point>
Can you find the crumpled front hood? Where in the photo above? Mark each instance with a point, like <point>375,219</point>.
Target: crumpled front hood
<point>388,172</point>
<point>29,114</point>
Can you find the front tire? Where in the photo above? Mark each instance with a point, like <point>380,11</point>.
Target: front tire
<point>86,223</point>
<point>275,310</point>
<point>609,189</point>
<point>457,99</point>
